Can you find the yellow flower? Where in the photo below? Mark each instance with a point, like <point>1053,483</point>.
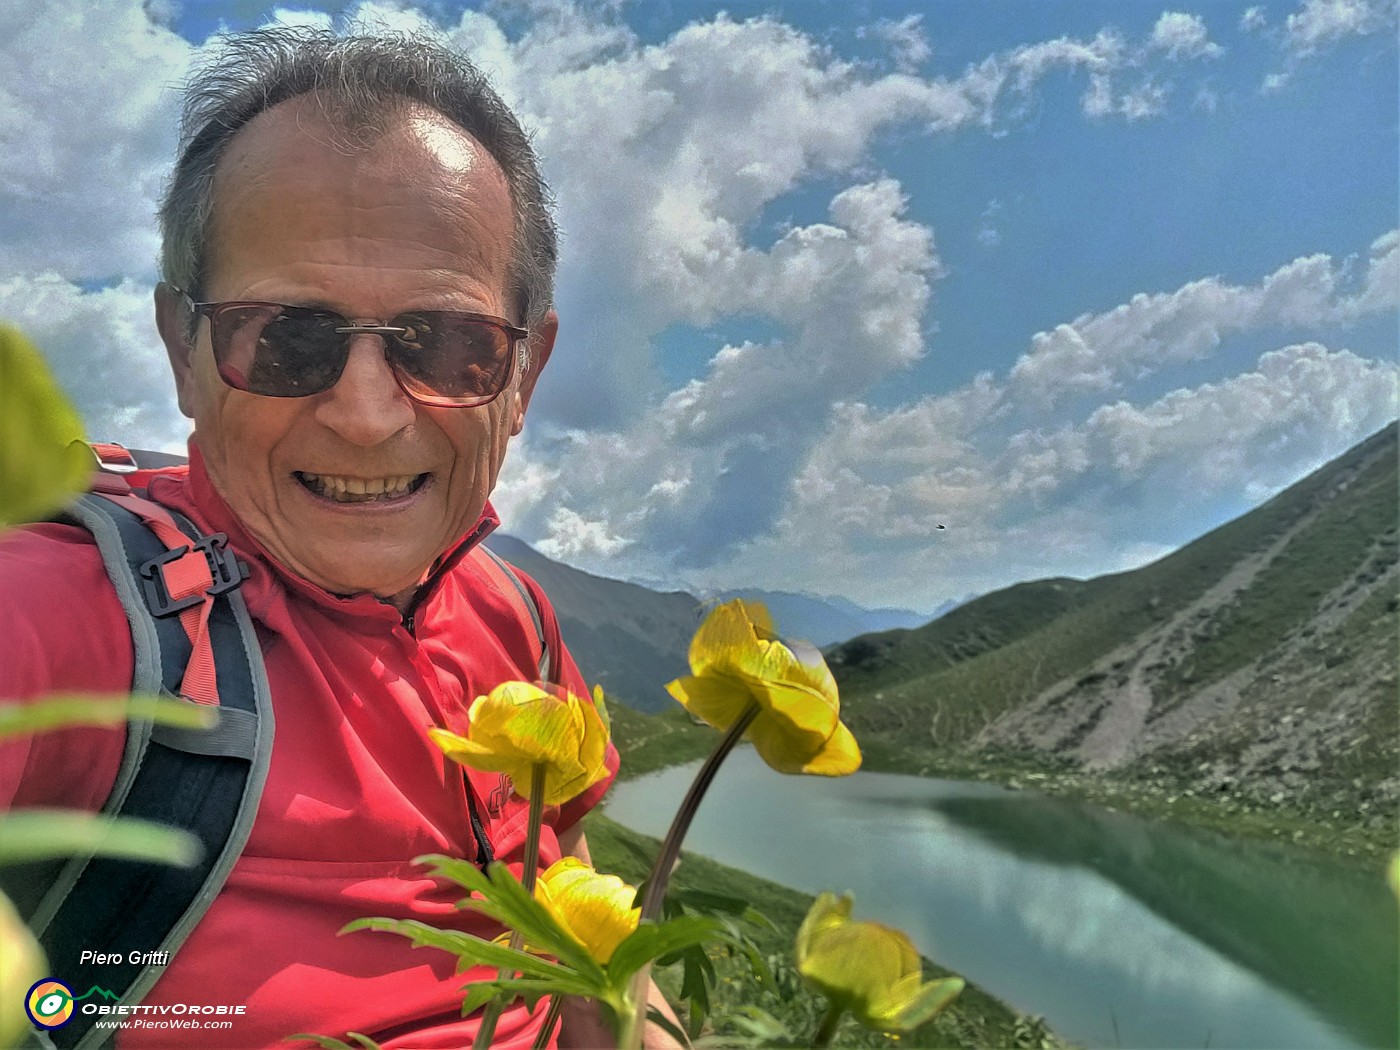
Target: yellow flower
<point>869,969</point>
<point>736,660</point>
<point>518,725</point>
<point>596,909</point>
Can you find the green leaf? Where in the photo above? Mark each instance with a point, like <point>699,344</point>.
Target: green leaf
<point>697,977</point>
<point>478,995</point>
<point>505,900</point>
<point>759,965</point>
<point>760,1023</point>
<point>462,945</point>
<point>656,1017</point>
<point>43,461</point>
<point>653,940</point>
<point>57,712</point>
<point>39,834</point>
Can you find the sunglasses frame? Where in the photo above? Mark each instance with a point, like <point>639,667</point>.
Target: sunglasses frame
<point>514,334</point>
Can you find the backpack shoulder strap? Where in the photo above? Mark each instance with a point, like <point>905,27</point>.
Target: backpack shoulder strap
<point>505,580</point>
<point>205,782</point>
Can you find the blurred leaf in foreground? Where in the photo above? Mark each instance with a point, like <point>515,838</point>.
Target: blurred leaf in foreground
<point>43,461</point>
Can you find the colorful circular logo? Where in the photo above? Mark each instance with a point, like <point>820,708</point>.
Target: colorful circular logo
<point>49,1003</point>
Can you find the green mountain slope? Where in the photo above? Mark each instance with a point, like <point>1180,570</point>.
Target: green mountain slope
<point>1260,657</point>
<point>628,639</point>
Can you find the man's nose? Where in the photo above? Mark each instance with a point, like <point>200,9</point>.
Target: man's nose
<point>366,406</point>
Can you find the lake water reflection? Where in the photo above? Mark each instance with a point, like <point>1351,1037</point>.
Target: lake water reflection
<point>1119,931</point>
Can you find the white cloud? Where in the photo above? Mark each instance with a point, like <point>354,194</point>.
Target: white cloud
<point>104,349</point>
<point>905,38</point>
<point>1253,20</point>
<point>1274,83</point>
<point>706,469</point>
<point>1318,23</point>
<point>1097,353</point>
<point>1182,36</point>
<point>1147,99</point>
<point>1060,499</point>
<point>89,130</point>
<point>571,538</point>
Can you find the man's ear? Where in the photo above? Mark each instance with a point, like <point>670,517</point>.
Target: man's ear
<point>172,321</point>
<point>540,346</point>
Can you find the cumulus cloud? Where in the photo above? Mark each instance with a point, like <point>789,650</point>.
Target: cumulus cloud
<point>1098,353</point>
<point>1182,36</point>
<point>707,468</point>
<point>104,348</point>
<point>88,124</point>
<point>1319,23</point>
<point>1057,500</point>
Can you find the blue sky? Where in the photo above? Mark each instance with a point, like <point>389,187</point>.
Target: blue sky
<point>1078,281</point>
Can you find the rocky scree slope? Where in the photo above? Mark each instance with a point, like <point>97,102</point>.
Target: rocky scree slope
<point>1257,664</point>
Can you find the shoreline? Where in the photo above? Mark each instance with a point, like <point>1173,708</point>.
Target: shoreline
<point>1240,817</point>
<point>654,742</point>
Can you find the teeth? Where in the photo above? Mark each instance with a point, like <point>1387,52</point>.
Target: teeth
<point>357,490</point>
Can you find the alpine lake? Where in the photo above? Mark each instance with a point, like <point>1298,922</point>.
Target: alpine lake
<point>1120,932</point>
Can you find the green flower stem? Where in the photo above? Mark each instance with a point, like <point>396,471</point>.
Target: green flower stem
<point>671,846</point>
<point>634,1019</point>
<point>486,1031</point>
<point>556,1003</point>
<point>827,1028</point>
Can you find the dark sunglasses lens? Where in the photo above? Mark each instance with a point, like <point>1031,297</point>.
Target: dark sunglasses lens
<point>445,358</point>
<point>278,351</point>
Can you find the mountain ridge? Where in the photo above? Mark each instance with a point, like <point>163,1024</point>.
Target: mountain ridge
<point>1259,659</point>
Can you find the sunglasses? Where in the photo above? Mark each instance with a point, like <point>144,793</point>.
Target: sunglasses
<point>440,358</point>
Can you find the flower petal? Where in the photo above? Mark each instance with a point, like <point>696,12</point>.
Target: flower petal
<point>717,700</point>
<point>519,725</point>
<point>596,909</point>
<point>871,969</point>
<point>728,637</point>
<point>828,912</point>
<point>839,756</point>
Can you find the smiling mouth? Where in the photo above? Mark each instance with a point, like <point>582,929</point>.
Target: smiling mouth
<point>341,489</point>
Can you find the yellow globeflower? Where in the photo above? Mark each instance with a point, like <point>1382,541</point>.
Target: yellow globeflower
<point>736,660</point>
<point>869,969</point>
<point>518,725</point>
<point>596,909</point>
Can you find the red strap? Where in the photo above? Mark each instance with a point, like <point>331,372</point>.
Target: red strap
<point>113,455</point>
<point>184,576</point>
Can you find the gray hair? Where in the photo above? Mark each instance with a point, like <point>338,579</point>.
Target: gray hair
<point>359,80</point>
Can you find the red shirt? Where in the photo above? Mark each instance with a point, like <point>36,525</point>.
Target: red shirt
<point>355,789</point>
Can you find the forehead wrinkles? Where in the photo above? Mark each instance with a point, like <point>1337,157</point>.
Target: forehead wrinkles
<point>408,155</point>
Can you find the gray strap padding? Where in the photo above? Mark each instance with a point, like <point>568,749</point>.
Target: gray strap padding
<point>534,609</point>
<point>93,513</point>
<point>235,736</point>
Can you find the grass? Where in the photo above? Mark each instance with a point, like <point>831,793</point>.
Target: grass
<point>651,742</point>
<point>975,1020</point>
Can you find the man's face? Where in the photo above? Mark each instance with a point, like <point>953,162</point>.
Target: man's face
<point>420,220</point>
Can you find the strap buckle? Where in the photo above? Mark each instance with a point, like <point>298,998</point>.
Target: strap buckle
<point>226,570</point>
